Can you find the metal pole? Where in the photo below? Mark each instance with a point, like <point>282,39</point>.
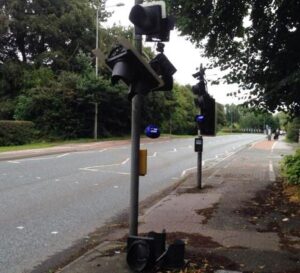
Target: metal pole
<point>135,148</point>
<point>231,112</point>
<point>199,164</point>
<point>96,122</point>
<point>96,70</point>
<point>97,36</point>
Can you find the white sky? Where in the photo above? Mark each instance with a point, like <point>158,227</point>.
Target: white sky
<point>182,54</point>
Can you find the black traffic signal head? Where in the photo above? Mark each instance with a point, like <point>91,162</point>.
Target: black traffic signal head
<point>164,68</point>
<point>129,66</point>
<point>146,19</point>
<point>150,19</point>
<point>207,120</point>
<point>199,89</point>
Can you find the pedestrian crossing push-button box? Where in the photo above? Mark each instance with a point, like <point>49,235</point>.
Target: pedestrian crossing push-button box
<point>198,144</point>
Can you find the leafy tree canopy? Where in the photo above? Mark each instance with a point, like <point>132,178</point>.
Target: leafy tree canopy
<point>47,32</point>
<point>257,41</point>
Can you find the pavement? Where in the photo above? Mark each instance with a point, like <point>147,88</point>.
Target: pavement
<point>226,227</point>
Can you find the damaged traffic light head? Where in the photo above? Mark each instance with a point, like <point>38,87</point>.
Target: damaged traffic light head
<point>128,65</point>
<point>164,68</point>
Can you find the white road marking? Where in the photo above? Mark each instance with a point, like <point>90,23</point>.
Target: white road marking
<point>20,227</point>
<point>125,161</point>
<point>95,168</point>
<point>38,177</point>
<point>101,151</point>
<point>76,182</point>
<point>63,155</point>
<point>273,146</point>
<point>54,232</point>
<point>154,155</point>
<point>271,172</point>
<point>116,187</point>
<point>14,162</point>
<point>57,180</point>
<point>187,170</point>
<point>113,172</point>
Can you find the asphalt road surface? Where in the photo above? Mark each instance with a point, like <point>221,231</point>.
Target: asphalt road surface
<point>47,203</point>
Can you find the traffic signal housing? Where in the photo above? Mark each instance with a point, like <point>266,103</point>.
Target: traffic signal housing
<point>150,19</point>
<point>129,66</point>
<point>207,120</point>
<point>164,68</point>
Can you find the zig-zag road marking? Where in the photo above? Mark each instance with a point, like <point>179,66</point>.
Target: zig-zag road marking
<point>99,167</point>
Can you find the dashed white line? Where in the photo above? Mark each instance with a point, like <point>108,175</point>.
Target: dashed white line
<point>14,162</point>
<point>20,227</point>
<point>273,146</point>
<point>271,172</point>
<point>63,155</point>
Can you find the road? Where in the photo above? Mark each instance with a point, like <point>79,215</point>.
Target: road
<point>49,202</point>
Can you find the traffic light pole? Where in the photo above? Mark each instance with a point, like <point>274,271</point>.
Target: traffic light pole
<point>199,162</point>
<point>135,148</point>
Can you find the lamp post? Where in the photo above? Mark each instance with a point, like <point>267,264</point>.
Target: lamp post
<point>98,12</point>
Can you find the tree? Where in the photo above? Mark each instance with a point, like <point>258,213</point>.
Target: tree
<point>232,113</point>
<point>293,130</point>
<point>46,32</point>
<point>251,119</point>
<point>256,41</point>
<point>221,119</point>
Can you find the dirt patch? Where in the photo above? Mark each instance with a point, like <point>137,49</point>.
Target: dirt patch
<point>204,189</point>
<point>272,211</point>
<point>202,262</point>
<point>207,213</point>
<point>193,239</point>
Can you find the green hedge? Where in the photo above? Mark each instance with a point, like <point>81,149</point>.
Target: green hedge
<point>16,132</point>
<point>290,167</point>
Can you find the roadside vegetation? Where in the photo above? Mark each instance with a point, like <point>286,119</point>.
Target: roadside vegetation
<point>49,87</point>
<point>291,168</point>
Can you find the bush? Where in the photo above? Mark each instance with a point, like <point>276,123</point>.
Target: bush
<point>16,132</point>
<point>293,130</point>
<point>291,168</point>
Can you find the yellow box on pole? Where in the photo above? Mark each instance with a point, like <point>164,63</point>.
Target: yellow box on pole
<point>143,163</point>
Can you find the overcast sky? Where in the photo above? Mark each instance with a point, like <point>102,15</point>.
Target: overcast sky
<point>182,53</point>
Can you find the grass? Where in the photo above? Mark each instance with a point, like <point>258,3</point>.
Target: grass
<point>48,144</point>
<point>28,146</point>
